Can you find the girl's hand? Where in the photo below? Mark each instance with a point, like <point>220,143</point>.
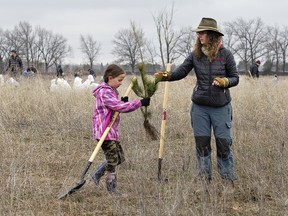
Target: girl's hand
<point>145,101</point>
<point>124,99</point>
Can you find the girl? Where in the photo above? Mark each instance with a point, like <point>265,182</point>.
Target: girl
<point>106,103</point>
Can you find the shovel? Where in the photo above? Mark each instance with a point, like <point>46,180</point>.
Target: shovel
<point>82,181</point>
<point>163,125</point>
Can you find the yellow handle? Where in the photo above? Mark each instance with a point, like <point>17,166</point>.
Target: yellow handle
<point>102,139</point>
<point>164,114</point>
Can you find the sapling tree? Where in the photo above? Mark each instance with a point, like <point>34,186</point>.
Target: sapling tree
<point>146,90</point>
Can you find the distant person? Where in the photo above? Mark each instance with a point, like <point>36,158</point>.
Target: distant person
<point>211,110</point>
<point>1,65</point>
<point>254,69</point>
<point>27,72</point>
<point>15,65</point>
<point>77,74</point>
<point>59,71</point>
<point>106,104</point>
<point>92,72</point>
<point>33,69</point>
<point>275,78</point>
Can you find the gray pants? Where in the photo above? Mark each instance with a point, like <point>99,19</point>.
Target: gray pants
<point>204,118</point>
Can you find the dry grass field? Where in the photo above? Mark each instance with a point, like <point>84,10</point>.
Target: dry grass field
<point>46,141</point>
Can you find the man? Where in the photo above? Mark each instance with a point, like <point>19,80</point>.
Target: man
<point>254,69</point>
<point>15,65</point>
<point>59,71</point>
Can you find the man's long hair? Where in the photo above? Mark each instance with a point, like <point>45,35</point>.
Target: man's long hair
<point>214,42</point>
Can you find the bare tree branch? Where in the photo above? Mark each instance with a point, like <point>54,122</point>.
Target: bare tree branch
<point>90,48</point>
<point>53,47</point>
<point>168,38</point>
<point>129,45</point>
<point>248,39</point>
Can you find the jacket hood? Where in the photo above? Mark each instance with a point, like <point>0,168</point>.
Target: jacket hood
<point>100,86</point>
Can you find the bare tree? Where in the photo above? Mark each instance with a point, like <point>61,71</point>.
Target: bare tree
<point>36,55</point>
<point>151,54</point>
<point>168,38</point>
<point>90,48</point>
<point>283,44</point>
<point>12,40</point>
<point>3,44</point>
<point>3,50</point>
<point>273,45</point>
<point>140,39</point>
<point>27,37</point>
<point>249,39</point>
<point>128,45</point>
<point>53,47</point>
<point>230,39</point>
<point>186,42</point>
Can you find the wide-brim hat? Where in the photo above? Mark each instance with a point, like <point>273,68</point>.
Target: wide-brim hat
<point>208,24</point>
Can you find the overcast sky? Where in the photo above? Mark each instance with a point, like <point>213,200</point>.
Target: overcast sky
<point>103,18</point>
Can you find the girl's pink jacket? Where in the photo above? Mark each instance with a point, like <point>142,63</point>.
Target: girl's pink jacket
<point>106,104</point>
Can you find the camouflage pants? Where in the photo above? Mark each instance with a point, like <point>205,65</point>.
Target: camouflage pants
<point>114,154</point>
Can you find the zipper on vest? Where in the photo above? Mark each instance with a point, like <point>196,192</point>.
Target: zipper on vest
<point>210,80</point>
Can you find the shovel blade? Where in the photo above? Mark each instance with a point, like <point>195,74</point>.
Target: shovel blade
<point>71,189</point>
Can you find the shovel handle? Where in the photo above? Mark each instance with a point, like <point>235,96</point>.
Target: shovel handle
<point>163,123</point>
<point>159,168</point>
<point>102,139</point>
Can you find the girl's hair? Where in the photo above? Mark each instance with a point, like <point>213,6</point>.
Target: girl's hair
<point>112,70</point>
<point>214,40</point>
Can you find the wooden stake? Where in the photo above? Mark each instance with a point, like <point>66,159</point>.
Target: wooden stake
<point>163,124</point>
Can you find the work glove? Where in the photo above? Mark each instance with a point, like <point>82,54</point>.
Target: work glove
<point>223,82</point>
<point>145,101</point>
<point>124,99</point>
<point>162,76</point>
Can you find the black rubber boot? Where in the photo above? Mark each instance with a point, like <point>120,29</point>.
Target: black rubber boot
<point>111,183</point>
<point>96,174</point>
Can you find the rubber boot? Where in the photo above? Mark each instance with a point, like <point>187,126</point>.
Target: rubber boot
<point>111,183</point>
<point>96,174</point>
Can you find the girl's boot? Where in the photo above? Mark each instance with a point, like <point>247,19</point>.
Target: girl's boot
<point>96,174</point>
<point>111,183</point>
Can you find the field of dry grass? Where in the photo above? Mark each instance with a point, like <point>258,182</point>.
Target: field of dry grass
<point>46,141</point>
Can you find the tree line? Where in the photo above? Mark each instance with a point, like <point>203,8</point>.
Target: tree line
<point>247,39</point>
<point>36,46</point>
